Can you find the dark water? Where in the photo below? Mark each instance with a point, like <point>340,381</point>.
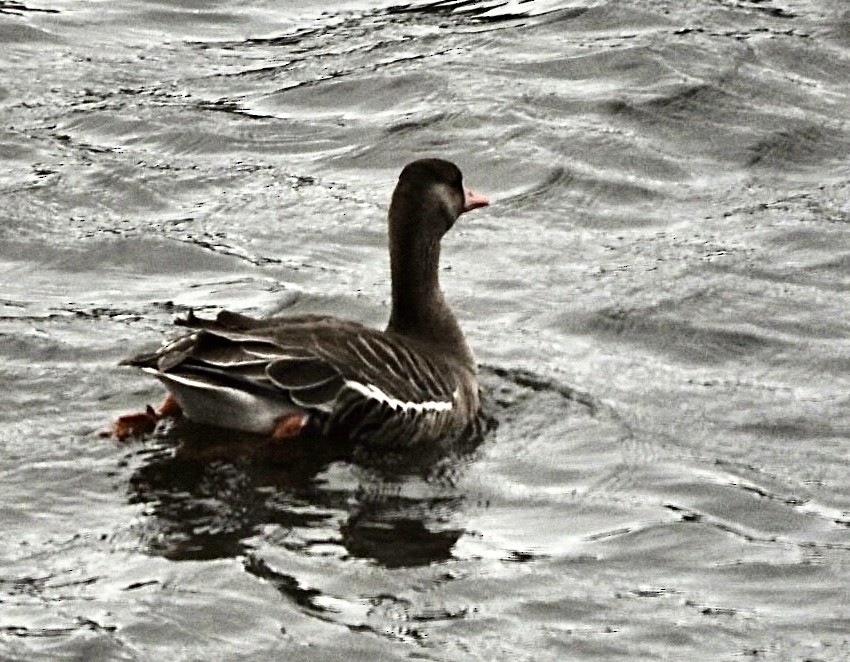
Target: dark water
<point>659,297</point>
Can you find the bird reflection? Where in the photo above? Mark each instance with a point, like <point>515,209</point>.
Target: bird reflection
<point>396,542</point>
<point>210,492</point>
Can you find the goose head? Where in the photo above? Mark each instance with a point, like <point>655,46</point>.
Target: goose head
<point>429,198</point>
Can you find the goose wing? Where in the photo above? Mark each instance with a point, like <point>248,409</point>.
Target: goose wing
<point>359,378</point>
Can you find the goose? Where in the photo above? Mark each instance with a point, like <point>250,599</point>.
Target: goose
<point>413,382</point>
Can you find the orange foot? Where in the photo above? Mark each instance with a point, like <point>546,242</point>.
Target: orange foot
<point>135,425</point>
<point>289,426</point>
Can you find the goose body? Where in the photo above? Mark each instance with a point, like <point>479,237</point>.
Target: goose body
<point>413,382</point>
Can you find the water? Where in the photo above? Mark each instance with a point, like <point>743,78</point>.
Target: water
<point>658,297</point>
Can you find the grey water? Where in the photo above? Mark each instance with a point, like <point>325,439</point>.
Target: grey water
<point>658,296</point>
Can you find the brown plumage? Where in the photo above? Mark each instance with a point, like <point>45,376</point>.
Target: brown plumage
<point>413,382</point>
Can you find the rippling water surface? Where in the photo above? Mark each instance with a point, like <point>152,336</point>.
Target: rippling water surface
<point>659,298</point>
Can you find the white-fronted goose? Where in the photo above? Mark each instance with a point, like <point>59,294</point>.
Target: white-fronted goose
<point>413,382</point>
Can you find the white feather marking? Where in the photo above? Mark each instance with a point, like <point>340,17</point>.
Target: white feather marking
<point>180,379</point>
<point>374,393</point>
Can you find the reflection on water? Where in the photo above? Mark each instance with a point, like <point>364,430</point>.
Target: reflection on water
<point>209,491</point>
